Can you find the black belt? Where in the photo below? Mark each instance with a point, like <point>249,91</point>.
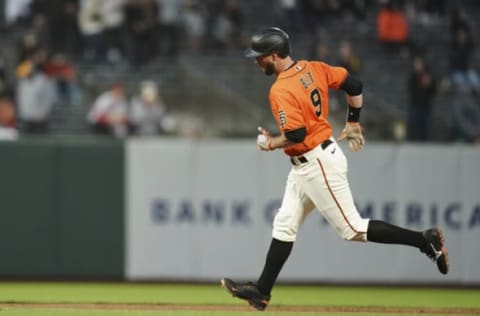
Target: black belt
<point>302,159</point>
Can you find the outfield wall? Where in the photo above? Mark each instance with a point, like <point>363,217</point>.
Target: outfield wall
<point>178,209</point>
<point>203,210</point>
<point>61,208</point>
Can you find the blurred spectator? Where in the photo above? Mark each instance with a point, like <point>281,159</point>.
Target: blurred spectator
<point>35,95</point>
<point>39,23</point>
<point>195,26</point>
<point>7,112</point>
<point>461,51</point>
<point>347,58</point>
<point>141,25</point>
<point>64,27</point>
<point>92,26</point>
<point>459,20</point>
<point>227,26</point>
<point>464,78</point>
<point>169,27</point>
<point>64,75</point>
<point>148,111</point>
<point>426,12</point>
<point>114,20</point>
<point>16,15</point>
<point>316,14</point>
<point>355,10</point>
<point>52,23</point>
<point>6,82</point>
<point>288,16</point>
<point>466,117</point>
<point>7,118</point>
<point>16,10</point>
<point>392,27</point>
<point>109,112</point>
<point>435,7</point>
<point>319,49</point>
<point>27,46</point>
<point>349,16</point>
<point>421,90</point>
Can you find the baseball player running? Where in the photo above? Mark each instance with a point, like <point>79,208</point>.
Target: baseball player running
<point>318,177</point>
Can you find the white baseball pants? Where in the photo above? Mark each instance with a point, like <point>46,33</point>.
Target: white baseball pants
<point>320,183</point>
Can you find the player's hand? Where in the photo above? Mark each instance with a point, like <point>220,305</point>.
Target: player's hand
<point>263,131</point>
<point>264,141</point>
<point>353,132</point>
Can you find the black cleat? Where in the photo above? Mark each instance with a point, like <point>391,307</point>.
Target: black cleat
<point>248,292</point>
<point>436,249</point>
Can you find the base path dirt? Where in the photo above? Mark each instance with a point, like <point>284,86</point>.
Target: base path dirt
<point>318,309</point>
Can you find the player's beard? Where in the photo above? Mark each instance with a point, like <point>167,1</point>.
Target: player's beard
<point>269,69</point>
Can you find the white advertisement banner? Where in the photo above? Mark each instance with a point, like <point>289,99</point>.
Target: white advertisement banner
<point>201,210</point>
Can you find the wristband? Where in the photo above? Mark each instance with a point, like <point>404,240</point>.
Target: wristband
<point>353,114</point>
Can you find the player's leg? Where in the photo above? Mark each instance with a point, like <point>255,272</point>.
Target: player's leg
<point>295,207</point>
<point>385,233</point>
<point>326,183</point>
<point>430,242</point>
<point>324,180</point>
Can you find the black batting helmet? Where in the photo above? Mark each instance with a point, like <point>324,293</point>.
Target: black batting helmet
<point>268,41</point>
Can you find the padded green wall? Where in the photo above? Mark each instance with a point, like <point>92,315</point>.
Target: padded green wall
<point>62,208</point>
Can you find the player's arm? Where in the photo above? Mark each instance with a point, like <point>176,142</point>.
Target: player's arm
<point>353,130</point>
<point>353,89</point>
<point>285,139</point>
<point>339,78</point>
<point>289,138</point>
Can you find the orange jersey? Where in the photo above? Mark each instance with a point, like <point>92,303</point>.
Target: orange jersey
<point>299,98</point>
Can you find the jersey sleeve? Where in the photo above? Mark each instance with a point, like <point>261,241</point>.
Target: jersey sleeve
<point>335,75</point>
<point>287,113</point>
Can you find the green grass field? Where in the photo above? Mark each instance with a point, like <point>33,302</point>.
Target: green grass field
<point>149,299</point>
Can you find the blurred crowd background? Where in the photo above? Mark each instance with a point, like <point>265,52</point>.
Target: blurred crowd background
<point>150,68</point>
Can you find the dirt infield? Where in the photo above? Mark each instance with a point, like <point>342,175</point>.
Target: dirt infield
<point>318,309</point>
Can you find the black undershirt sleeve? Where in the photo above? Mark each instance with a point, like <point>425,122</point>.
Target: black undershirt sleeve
<point>352,86</point>
<point>297,135</point>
